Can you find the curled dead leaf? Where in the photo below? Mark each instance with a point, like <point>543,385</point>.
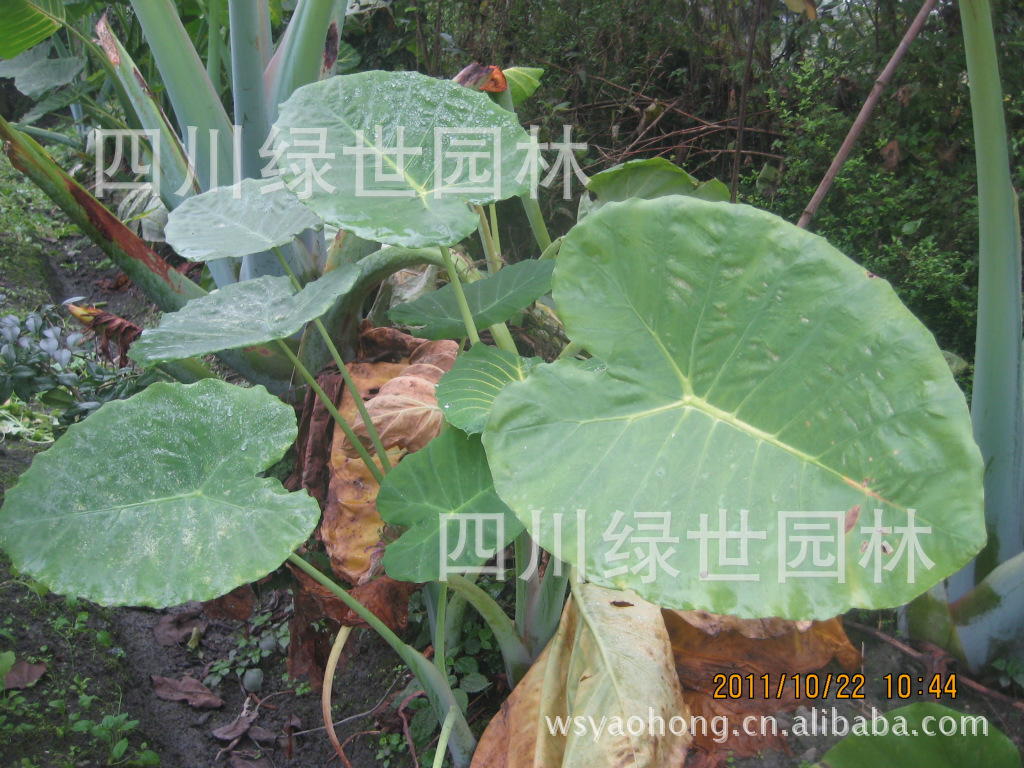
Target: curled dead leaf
<point>237,727</point>
<point>107,328</point>
<point>891,155</point>
<point>405,411</point>
<point>610,663</point>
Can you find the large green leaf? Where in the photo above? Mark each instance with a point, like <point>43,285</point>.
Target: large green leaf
<point>467,391</point>
<point>241,315</point>
<point>245,218</point>
<point>491,300</point>
<point>758,382</point>
<point>522,82</point>
<point>384,177</point>
<point>444,489</point>
<point>924,735</point>
<point>651,178</point>
<point>155,500</point>
<point>26,23</point>
<point>35,73</point>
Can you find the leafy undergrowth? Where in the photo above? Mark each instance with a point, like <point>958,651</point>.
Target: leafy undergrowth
<point>63,702</point>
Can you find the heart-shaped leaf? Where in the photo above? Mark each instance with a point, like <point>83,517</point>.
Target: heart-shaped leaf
<point>241,315</point>
<point>491,300</point>
<point>444,495</point>
<point>467,391</point>
<point>156,501</point>
<point>651,178</point>
<point>761,391</point>
<point>397,156</point>
<point>245,218</point>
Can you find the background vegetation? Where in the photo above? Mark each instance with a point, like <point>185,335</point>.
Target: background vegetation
<point>665,78</point>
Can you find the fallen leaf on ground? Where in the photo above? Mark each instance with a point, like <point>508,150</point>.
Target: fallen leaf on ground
<point>23,674</point>
<point>261,735</point>
<point>187,689</point>
<point>237,727</point>
<point>175,628</point>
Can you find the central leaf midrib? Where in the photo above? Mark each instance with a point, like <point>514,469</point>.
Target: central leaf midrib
<point>703,406</point>
<point>196,494</point>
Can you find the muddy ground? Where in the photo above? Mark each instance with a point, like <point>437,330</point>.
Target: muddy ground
<point>112,654</point>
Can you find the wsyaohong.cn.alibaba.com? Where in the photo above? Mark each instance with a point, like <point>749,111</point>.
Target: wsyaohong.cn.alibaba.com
<point>816,721</point>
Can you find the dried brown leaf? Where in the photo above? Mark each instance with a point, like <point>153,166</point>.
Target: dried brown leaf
<point>237,760</point>
<point>187,689</point>
<point>351,526</point>
<point>23,674</point>
<point>175,628</point>
<point>237,727</point>
<point>891,155</point>
<point>107,328</point>
<point>566,679</point>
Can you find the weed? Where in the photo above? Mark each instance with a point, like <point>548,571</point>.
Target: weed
<point>390,745</point>
<point>244,661</point>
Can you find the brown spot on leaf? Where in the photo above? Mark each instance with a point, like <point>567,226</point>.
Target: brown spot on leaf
<point>106,40</point>
<point>621,604</point>
<point>852,517</point>
<point>330,48</point>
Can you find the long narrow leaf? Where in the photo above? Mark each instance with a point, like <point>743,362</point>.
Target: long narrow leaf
<point>173,163</point>
<point>997,411</point>
<point>195,101</point>
<point>299,55</point>
<point>27,23</point>
<point>247,64</point>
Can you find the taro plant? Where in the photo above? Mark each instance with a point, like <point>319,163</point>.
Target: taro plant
<point>743,382</point>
